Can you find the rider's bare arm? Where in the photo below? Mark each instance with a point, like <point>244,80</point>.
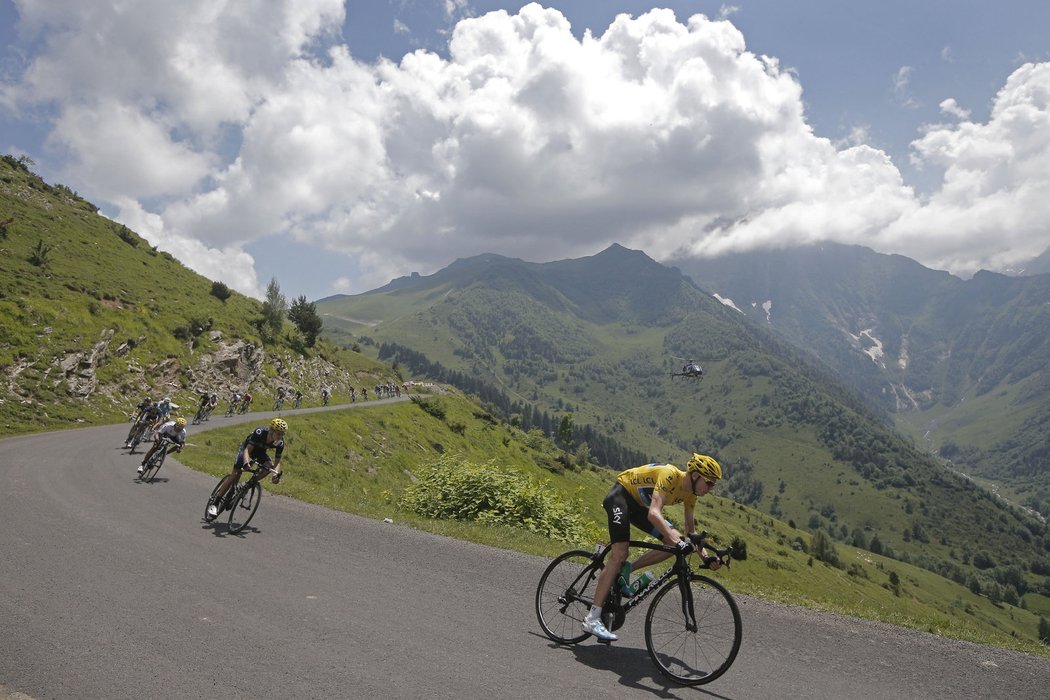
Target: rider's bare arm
<point>656,517</point>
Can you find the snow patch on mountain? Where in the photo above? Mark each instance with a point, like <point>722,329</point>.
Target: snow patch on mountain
<point>727,301</point>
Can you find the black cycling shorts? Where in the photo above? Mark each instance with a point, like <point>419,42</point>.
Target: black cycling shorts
<point>623,512</point>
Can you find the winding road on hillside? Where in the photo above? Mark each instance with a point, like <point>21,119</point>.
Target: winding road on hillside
<point>112,588</point>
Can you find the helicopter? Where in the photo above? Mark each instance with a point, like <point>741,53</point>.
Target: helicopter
<point>691,370</point>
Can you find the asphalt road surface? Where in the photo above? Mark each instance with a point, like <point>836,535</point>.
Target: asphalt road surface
<point>111,588</point>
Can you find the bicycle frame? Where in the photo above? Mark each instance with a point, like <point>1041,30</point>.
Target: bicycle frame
<point>680,568</point>
<point>258,473</point>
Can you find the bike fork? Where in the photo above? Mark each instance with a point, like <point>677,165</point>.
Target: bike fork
<point>688,611</point>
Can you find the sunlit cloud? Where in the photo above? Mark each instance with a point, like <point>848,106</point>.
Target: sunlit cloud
<point>661,133</point>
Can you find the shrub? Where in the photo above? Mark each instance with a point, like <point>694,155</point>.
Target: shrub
<point>127,236</point>
<point>486,493</point>
<point>823,548</point>
<point>432,407</point>
<point>220,291</point>
<point>40,255</point>
<point>982,560</point>
<point>739,548</point>
<point>193,328</point>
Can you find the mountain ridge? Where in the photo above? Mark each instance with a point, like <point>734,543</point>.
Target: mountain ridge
<point>924,345</point>
<point>764,408</point>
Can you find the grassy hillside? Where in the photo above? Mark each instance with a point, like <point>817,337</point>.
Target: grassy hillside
<point>963,365</point>
<point>363,461</point>
<point>92,317</point>
<point>595,339</point>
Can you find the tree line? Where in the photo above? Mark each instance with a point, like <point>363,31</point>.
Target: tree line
<point>605,450</point>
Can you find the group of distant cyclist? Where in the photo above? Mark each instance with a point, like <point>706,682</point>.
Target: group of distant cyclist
<point>157,421</point>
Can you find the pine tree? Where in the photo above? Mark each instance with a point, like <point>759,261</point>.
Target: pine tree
<point>274,309</point>
<point>304,315</point>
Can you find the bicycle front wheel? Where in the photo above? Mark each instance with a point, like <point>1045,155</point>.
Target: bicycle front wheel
<point>565,594</point>
<point>212,500</point>
<point>137,438</point>
<point>153,466</point>
<point>242,510</point>
<point>702,654</point>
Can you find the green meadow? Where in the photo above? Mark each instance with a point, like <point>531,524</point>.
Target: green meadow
<point>365,460</point>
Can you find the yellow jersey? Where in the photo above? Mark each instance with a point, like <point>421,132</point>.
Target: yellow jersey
<point>642,481</point>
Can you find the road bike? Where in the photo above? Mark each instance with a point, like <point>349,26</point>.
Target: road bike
<point>139,432</point>
<point>278,404</point>
<point>153,464</point>
<point>241,500</point>
<point>692,626</point>
<point>202,414</point>
<point>298,402</point>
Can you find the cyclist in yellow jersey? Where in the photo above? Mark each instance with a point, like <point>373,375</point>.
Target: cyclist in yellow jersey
<point>638,498</point>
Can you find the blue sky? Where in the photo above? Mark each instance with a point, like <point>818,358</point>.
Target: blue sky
<point>334,145</point>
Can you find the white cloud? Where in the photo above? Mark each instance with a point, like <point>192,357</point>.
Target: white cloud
<point>230,265</point>
<point>902,87</point>
<point>454,8</point>
<point>951,107</point>
<point>216,124</point>
<point>123,152</point>
<point>992,210</point>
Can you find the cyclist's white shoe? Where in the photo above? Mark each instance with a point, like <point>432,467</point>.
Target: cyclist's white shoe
<point>213,511</point>
<point>596,628</point>
<point>141,468</point>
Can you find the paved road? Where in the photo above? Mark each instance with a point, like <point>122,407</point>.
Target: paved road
<point>110,588</point>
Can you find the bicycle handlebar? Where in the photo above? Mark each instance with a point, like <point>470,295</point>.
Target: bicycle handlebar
<point>256,463</point>
<point>259,467</point>
<point>699,540</point>
<point>724,555</point>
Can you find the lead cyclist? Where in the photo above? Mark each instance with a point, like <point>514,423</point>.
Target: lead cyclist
<point>638,498</point>
<point>255,447</point>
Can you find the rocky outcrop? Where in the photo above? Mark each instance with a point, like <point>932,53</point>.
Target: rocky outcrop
<point>78,369</point>
<point>238,363</point>
<point>227,367</point>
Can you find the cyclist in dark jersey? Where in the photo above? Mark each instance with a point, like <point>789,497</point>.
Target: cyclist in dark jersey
<point>149,413</point>
<point>255,447</point>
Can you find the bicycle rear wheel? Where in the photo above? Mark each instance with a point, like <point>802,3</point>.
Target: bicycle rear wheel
<point>564,596</point>
<point>243,508</point>
<point>153,465</point>
<point>693,657</point>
